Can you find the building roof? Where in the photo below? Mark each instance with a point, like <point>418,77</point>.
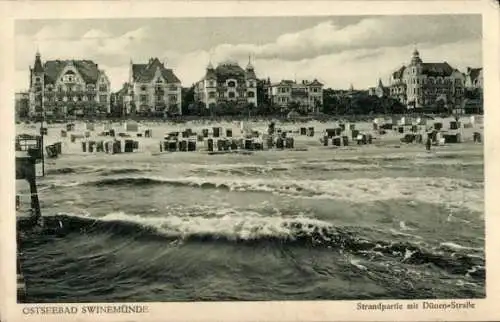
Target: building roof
<point>229,70</point>
<point>124,89</point>
<point>250,73</point>
<point>315,82</point>
<point>145,73</point>
<point>284,82</point>
<point>210,74</point>
<point>87,68</point>
<point>38,64</point>
<point>474,73</point>
<point>429,69</point>
<point>437,69</point>
<point>398,74</point>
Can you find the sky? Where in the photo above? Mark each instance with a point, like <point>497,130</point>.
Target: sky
<point>337,50</point>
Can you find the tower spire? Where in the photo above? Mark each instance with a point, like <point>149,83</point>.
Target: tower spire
<point>38,63</point>
<point>415,59</point>
<point>249,65</point>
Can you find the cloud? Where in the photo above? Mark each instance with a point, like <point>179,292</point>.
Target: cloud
<point>96,34</point>
<point>57,32</point>
<point>337,55</point>
<point>327,37</point>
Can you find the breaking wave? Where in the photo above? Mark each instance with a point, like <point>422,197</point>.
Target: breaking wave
<point>252,229</point>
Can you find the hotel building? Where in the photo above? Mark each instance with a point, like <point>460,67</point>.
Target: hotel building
<point>68,87</point>
<point>422,84</point>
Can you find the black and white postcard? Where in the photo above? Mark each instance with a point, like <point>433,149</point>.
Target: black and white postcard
<point>249,161</point>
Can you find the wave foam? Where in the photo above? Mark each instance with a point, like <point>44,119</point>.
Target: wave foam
<point>447,191</point>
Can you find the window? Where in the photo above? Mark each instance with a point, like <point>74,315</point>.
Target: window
<point>173,88</point>
<point>315,90</point>
<point>231,84</point>
<point>103,98</point>
<point>159,81</point>
<point>59,88</point>
<point>172,98</point>
<point>91,98</point>
<point>231,95</point>
<point>251,94</point>
<point>250,84</point>
<point>211,95</point>
<point>103,88</point>
<point>143,88</point>
<point>37,79</point>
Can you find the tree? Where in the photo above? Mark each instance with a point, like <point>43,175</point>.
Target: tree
<point>293,106</point>
<point>187,96</point>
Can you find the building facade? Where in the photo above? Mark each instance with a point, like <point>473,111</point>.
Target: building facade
<point>474,91</point>
<point>474,78</point>
<point>420,84</point>
<point>22,104</point>
<point>120,98</point>
<point>308,95</point>
<point>227,83</point>
<point>68,88</point>
<point>153,88</point>
<point>380,90</point>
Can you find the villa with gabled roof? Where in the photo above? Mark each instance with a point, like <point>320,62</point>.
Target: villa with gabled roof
<point>308,94</point>
<point>227,82</point>
<point>154,88</point>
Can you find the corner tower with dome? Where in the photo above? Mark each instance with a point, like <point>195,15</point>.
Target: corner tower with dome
<point>421,84</point>
<point>228,82</point>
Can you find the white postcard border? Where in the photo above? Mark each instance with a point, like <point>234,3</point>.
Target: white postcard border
<point>486,309</point>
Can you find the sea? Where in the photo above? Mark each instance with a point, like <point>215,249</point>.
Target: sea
<point>353,223</point>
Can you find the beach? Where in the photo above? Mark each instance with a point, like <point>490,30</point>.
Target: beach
<point>387,220</point>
